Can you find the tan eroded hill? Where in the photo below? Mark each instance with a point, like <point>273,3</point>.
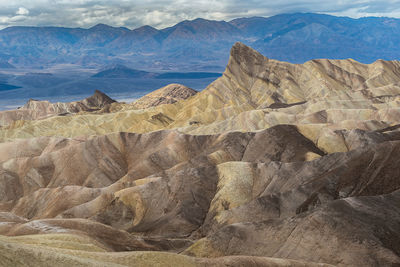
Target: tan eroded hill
<point>167,191</point>
<point>240,174</point>
<point>36,110</point>
<point>255,93</point>
<point>165,95</point>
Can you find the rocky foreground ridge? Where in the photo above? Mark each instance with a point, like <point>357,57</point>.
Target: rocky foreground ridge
<point>273,164</point>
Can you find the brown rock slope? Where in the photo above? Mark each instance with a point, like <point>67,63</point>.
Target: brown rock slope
<point>175,192</point>
<point>241,174</point>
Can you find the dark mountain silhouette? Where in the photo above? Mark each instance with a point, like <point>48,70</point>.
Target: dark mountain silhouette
<point>6,87</point>
<point>121,71</point>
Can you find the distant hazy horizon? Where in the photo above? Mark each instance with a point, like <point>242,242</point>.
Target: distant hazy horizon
<point>193,19</point>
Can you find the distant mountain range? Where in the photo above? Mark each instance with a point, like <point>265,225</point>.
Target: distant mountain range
<point>6,87</point>
<point>203,45</point>
<point>123,72</point>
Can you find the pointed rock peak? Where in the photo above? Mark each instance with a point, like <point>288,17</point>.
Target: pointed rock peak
<point>245,58</point>
<point>99,93</point>
<point>244,53</point>
<point>105,27</point>
<point>100,26</point>
<point>99,99</point>
<point>146,29</point>
<point>201,20</point>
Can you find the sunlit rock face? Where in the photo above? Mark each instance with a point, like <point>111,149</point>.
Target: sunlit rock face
<point>165,95</point>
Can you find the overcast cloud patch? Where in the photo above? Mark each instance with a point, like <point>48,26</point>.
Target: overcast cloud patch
<point>163,13</point>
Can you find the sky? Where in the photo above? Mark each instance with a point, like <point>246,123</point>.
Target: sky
<point>164,13</point>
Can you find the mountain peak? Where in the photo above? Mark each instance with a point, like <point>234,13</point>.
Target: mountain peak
<point>145,29</point>
<point>203,29</point>
<point>105,27</point>
<point>165,95</point>
<point>201,20</point>
<point>100,26</point>
<point>98,99</point>
<point>245,56</point>
<point>121,71</point>
<point>240,48</point>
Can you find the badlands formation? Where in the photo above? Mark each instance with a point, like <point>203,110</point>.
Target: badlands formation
<point>274,164</point>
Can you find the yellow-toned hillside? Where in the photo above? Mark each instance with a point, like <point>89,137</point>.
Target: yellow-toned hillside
<point>254,93</point>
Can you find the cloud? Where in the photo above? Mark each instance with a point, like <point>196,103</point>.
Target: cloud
<point>22,11</point>
<point>164,13</point>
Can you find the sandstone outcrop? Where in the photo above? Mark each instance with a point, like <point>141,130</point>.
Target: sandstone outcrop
<point>165,95</point>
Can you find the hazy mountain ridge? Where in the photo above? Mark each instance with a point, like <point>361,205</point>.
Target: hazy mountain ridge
<point>293,37</point>
<point>121,71</point>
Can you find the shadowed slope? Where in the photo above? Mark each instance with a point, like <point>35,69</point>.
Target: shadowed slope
<point>172,189</point>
